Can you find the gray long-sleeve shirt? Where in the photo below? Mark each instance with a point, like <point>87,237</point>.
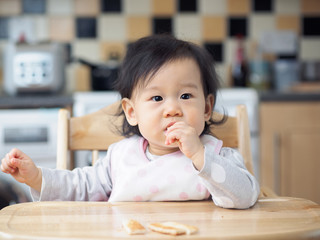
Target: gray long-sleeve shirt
<point>126,174</point>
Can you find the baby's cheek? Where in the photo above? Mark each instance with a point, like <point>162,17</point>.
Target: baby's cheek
<point>196,120</point>
<point>199,126</point>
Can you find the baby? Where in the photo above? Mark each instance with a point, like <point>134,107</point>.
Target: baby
<point>168,89</point>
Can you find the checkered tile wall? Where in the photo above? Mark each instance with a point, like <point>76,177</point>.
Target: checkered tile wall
<point>94,28</point>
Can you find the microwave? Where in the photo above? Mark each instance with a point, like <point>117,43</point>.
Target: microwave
<point>33,131</point>
<point>36,68</point>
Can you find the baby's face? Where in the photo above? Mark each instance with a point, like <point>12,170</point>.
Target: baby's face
<point>174,94</point>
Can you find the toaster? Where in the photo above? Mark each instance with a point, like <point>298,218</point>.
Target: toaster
<point>38,68</point>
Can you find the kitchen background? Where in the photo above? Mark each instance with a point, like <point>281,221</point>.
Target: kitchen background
<point>99,29</point>
<point>281,46</point>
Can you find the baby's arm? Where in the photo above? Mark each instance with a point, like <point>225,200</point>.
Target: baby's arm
<point>91,183</point>
<point>225,175</point>
<point>22,168</point>
<point>229,182</point>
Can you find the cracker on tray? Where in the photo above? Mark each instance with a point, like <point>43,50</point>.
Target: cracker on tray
<point>172,228</point>
<point>133,227</point>
<point>189,229</point>
<point>160,228</point>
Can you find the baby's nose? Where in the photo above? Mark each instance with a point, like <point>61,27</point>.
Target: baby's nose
<point>172,110</point>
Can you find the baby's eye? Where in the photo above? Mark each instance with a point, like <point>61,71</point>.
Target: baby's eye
<point>186,96</point>
<point>157,98</point>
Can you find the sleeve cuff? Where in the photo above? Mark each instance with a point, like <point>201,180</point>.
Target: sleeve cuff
<point>208,154</point>
<point>38,196</point>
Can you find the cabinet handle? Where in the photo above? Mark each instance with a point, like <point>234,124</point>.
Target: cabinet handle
<point>276,163</point>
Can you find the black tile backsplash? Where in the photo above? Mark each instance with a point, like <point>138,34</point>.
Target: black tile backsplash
<point>86,27</point>
<point>311,26</point>
<point>187,5</point>
<point>4,27</point>
<point>238,26</point>
<point>216,51</point>
<point>111,6</point>
<point>262,5</point>
<point>162,25</point>
<point>34,6</point>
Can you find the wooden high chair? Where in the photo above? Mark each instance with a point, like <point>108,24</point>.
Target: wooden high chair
<point>97,131</point>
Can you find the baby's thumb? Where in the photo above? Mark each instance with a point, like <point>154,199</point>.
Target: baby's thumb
<point>15,152</point>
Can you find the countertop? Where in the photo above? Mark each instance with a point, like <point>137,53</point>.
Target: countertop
<point>304,91</point>
<point>273,96</point>
<point>35,101</point>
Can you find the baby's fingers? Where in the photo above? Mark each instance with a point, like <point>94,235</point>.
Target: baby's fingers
<point>172,138</point>
<point>18,163</point>
<point>6,166</point>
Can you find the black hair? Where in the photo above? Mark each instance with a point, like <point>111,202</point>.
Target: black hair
<point>147,55</point>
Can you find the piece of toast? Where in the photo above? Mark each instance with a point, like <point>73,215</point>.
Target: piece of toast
<point>133,227</point>
<point>189,229</point>
<point>160,228</point>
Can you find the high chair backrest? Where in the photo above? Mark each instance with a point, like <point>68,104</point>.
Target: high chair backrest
<point>97,131</point>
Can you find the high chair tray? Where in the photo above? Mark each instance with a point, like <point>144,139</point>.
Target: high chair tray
<point>270,218</point>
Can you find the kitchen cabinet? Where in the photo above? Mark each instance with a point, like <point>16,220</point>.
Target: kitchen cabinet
<point>290,148</point>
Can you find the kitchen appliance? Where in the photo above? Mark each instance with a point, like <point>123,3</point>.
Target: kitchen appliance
<point>227,99</point>
<point>10,192</point>
<point>103,75</point>
<point>36,68</point>
<point>311,71</point>
<point>34,131</point>
<point>286,74</point>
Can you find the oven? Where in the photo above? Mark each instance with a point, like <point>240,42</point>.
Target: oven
<point>34,131</point>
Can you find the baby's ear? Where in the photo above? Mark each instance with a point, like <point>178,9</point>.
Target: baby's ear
<point>208,108</point>
<point>128,108</point>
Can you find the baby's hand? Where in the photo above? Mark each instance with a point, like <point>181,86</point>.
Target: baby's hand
<point>22,168</point>
<point>188,141</point>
